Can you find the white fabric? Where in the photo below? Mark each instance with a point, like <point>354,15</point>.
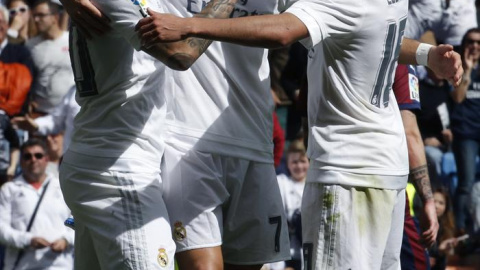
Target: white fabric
<point>223,104</point>
<point>352,228</point>
<point>123,109</point>
<point>120,218</point>
<point>448,24</point>
<point>475,206</point>
<point>214,200</point>
<point>355,123</point>
<point>3,45</point>
<point>60,119</point>
<point>54,75</point>
<point>17,203</point>
<point>292,193</point>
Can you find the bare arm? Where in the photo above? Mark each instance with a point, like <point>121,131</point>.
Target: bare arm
<point>446,63</point>
<point>14,157</point>
<point>419,177</point>
<point>269,31</point>
<point>182,54</point>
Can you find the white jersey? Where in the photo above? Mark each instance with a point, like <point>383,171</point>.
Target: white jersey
<point>355,123</point>
<point>222,104</point>
<point>122,108</point>
<point>54,71</point>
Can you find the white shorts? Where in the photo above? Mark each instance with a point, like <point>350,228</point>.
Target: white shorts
<point>121,221</point>
<point>214,200</point>
<point>352,228</point>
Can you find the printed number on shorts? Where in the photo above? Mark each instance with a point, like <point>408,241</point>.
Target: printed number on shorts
<point>82,64</point>
<point>391,50</point>
<point>277,220</point>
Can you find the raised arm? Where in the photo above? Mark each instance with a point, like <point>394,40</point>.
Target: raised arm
<point>269,31</point>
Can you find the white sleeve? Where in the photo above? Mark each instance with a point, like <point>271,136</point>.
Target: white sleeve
<point>124,15</point>
<point>8,235</point>
<point>325,18</point>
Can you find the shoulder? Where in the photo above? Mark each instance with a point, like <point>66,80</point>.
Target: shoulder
<point>33,42</point>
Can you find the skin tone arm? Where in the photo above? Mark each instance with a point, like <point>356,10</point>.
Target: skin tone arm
<point>272,31</point>
<point>419,177</point>
<point>14,156</point>
<point>178,55</point>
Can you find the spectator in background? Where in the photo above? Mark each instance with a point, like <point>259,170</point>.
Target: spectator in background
<point>434,118</point>
<point>21,26</point>
<point>60,120</point>
<point>51,58</point>
<point>48,243</point>
<point>15,75</point>
<point>445,238</point>
<point>291,189</point>
<point>466,125</point>
<point>9,149</point>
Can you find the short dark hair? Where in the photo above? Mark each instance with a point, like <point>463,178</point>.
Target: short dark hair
<point>34,142</point>
<point>54,8</point>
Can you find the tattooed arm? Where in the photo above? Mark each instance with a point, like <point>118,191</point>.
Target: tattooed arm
<point>90,19</point>
<point>419,177</point>
<point>182,54</point>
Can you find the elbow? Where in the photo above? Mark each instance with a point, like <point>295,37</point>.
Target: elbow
<point>180,62</point>
<point>283,40</point>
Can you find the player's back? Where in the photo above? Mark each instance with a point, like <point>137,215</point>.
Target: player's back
<point>355,126</point>
<point>224,99</point>
<point>122,108</point>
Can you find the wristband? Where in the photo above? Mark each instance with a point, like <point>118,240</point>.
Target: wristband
<point>12,33</point>
<point>422,54</point>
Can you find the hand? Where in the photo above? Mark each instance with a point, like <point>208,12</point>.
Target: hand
<point>432,141</point>
<point>468,60</point>
<point>160,28</point>
<point>59,245</point>
<point>87,17</point>
<point>447,135</point>
<point>39,242</point>
<point>25,123</point>
<point>17,23</point>
<point>447,245</point>
<point>429,223</point>
<point>446,63</point>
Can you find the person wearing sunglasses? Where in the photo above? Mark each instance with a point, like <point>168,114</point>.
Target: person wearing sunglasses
<point>21,26</point>
<point>466,126</point>
<point>50,53</point>
<point>46,243</point>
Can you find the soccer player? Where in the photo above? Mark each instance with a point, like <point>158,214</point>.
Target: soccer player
<point>354,197</point>
<point>221,189</point>
<point>110,174</point>
<point>413,254</point>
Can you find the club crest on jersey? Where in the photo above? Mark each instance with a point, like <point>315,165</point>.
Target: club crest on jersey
<point>162,257</point>
<point>179,232</point>
<point>142,3</point>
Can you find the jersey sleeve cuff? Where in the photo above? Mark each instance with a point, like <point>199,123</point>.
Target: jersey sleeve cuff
<point>312,26</point>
